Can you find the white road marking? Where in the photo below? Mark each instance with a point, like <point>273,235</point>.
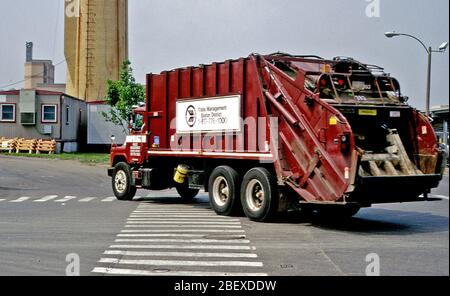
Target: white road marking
<point>159,213</point>
<point>66,198</point>
<point>180,263</point>
<point>20,199</point>
<point>161,235</point>
<point>184,225</point>
<point>182,254</point>
<point>183,247</point>
<point>46,198</point>
<point>208,231</point>
<point>181,222</point>
<point>2,199</point>
<point>164,240</point>
<point>172,207</point>
<point>174,216</point>
<point>109,199</point>
<point>118,271</point>
<point>87,199</point>
<point>177,235</point>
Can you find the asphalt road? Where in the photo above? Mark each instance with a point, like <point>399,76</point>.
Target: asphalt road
<point>50,209</point>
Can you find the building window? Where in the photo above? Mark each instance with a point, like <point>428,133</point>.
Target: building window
<point>7,113</point>
<point>49,114</point>
<point>67,115</point>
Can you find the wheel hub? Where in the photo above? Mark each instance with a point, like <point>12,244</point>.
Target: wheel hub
<point>120,181</point>
<point>221,191</point>
<point>254,195</point>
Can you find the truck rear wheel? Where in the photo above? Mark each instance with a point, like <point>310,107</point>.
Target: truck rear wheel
<point>259,195</point>
<point>121,182</point>
<point>224,190</point>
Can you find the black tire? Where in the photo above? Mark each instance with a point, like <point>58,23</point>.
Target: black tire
<point>223,188</point>
<point>121,182</point>
<point>264,207</point>
<point>186,193</point>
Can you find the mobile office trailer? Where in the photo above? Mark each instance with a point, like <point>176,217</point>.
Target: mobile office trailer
<point>99,130</point>
<point>277,132</point>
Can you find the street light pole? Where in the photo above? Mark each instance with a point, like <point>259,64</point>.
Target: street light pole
<point>430,51</point>
<point>428,96</point>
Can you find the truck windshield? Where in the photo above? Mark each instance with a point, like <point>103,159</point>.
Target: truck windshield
<point>138,122</point>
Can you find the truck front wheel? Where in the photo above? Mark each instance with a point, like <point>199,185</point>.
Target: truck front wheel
<point>224,190</point>
<point>259,195</point>
<point>121,182</point>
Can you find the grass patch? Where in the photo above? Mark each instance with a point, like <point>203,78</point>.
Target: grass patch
<point>87,158</point>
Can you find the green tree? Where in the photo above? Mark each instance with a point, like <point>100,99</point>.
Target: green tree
<point>122,96</point>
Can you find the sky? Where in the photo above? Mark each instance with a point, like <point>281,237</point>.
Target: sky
<point>168,34</point>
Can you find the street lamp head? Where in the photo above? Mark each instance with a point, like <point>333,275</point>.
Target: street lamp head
<point>390,34</point>
<point>443,46</point>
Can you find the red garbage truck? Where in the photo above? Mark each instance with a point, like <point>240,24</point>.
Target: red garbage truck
<point>271,133</point>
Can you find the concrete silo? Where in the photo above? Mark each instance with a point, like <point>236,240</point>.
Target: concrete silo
<point>96,44</point>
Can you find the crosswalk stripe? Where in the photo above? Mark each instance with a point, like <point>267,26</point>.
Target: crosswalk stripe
<point>46,198</point>
<point>119,271</point>
<point>205,231</point>
<point>171,208</point>
<point>109,199</point>
<point>180,262</point>
<point>185,247</point>
<point>162,240</point>
<point>202,212</point>
<point>20,199</point>
<point>161,235</point>
<point>181,222</point>
<point>66,198</point>
<point>184,225</point>
<point>2,199</point>
<point>173,216</point>
<point>181,254</point>
<point>87,199</point>
<point>177,235</point>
